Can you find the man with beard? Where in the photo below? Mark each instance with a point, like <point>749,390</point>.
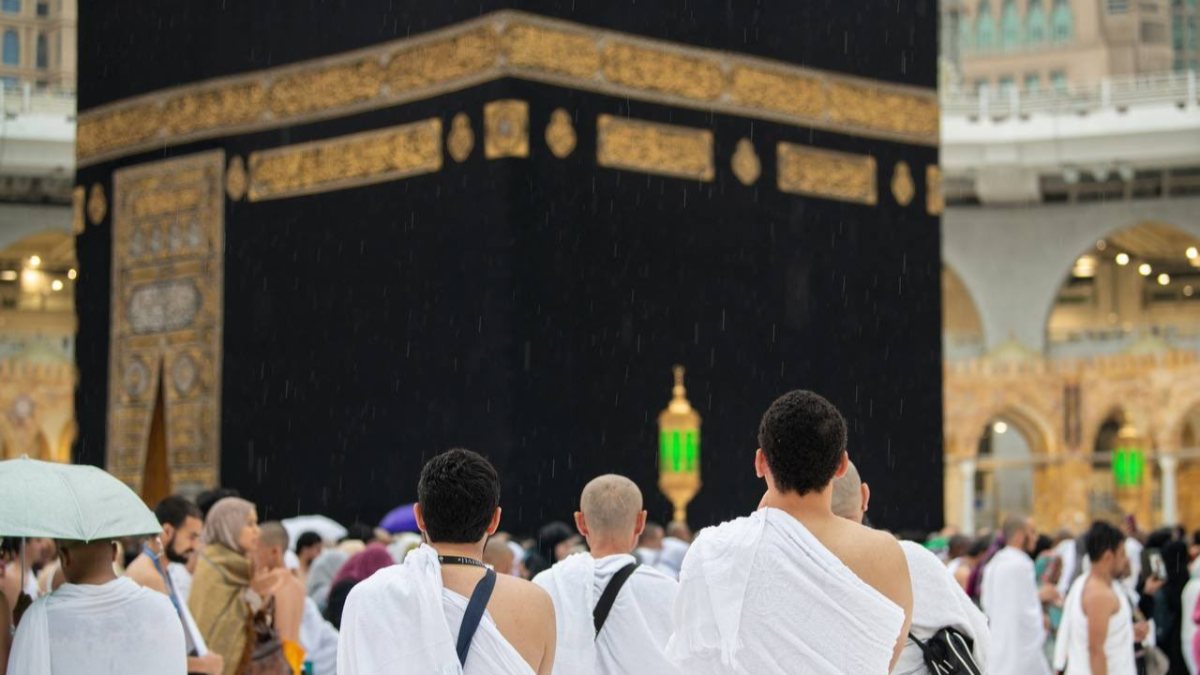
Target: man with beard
<point>182,524</point>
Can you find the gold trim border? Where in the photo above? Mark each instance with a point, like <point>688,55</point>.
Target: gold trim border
<point>346,161</point>
<point>828,174</point>
<point>652,147</point>
<point>509,43</point>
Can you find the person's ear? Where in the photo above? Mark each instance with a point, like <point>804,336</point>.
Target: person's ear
<point>843,465</point>
<point>760,463</point>
<point>419,516</point>
<point>581,523</point>
<point>639,525</point>
<point>866,497</point>
<point>495,524</point>
<point>168,531</point>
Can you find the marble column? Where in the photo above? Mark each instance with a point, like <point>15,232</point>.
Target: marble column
<point>1167,466</point>
<point>966,473</point>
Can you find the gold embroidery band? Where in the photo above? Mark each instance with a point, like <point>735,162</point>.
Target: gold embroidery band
<point>650,147</point>
<point>346,161</point>
<point>510,44</point>
<point>826,173</point>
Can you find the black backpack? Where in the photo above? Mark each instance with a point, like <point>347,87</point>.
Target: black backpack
<point>948,652</point>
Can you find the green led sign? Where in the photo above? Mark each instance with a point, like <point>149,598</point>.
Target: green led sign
<point>1129,465</point>
<point>679,451</point>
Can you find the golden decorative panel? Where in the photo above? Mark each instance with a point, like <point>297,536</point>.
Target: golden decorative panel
<point>97,206</point>
<point>935,202</point>
<point>903,189</point>
<point>167,309</point>
<point>745,163</point>
<point>560,133</point>
<point>461,139</point>
<point>826,173</point>
<point>650,147</point>
<point>502,44</point>
<point>235,178</point>
<point>651,69</point>
<point>506,129</point>
<point>78,199</point>
<point>347,161</point>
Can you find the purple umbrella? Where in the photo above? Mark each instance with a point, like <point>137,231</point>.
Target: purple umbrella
<point>400,519</point>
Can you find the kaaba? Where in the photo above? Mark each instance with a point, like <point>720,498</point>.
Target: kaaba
<point>320,242</point>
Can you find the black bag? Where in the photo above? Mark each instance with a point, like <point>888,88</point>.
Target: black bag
<point>600,613</point>
<point>948,652</point>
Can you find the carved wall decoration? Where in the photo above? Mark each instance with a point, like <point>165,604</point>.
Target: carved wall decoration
<point>78,199</point>
<point>347,161</point>
<point>502,44</point>
<point>826,173</point>
<point>650,147</point>
<point>560,134</point>
<point>461,139</point>
<point>167,315</point>
<point>506,129</point>
<point>935,200</point>
<point>97,206</point>
<point>745,163</point>
<point>902,184</point>
<point>235,178</point>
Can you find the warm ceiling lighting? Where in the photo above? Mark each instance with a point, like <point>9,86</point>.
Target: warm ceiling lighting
<point>1144,269</point>
<point>1000,427</point>
<point>1085,267</point>
<point>8,275</point>
<point>1122,259</point>
<point>1187,291</point>
<point>35,261</point>
<point>72,273</point>
<point>1101,245</point>
<point>56,285</point>
<point>1192,253</point>
<point>1164,279</point>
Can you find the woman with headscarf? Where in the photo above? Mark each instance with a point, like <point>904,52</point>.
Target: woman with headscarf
<point>226,593</point>
<point>358,568</point>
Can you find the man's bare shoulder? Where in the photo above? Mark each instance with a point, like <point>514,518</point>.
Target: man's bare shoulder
<point>874,556</point>
<point>526,594</point>
<point>141,571</point>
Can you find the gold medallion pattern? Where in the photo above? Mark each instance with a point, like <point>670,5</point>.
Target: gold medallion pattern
<point>461,139</point>
<point>651,147</point>
<point>506,129</point>
<point>560,134</point>
<point>502,44</point>
<point>78,199</point>
<point>935,202</point>
<point>347,161</point>
<point>235,178</point>
<point>902,184</point>
<point>166,316</point>
<point>745,163</point>
<point>826,173</point>
<point>97,206</point>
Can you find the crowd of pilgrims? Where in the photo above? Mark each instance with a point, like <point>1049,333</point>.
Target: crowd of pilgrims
<point>801,584</point>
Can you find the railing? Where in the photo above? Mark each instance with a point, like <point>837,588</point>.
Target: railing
<point>1176,88</point>
<point>28,100</point>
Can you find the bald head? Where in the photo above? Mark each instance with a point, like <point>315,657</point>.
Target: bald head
<point>272,533</point>
<point>850,496</point>
<point>498,554</point>
<point>87,562</point>
<point>610,513</point>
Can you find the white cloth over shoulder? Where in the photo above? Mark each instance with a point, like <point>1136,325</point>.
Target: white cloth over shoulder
<point>1071,645</point>
<point>938,602</point>
<point>117,628</point>
<point>638,625</point>
<point>319,639</point>
<point>402,621</point>
<point>1010,600</point>
<point>762,596</point>
<point>1191,596</point>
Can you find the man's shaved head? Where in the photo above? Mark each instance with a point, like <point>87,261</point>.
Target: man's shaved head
<point>611,504</point>
<point>848,495</point>
<point>497,554</point>
<point>273,534</point>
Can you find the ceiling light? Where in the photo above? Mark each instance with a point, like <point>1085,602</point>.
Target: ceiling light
<point>72,273</point>
<point>1000,427</point>
<point>1122,259</point>
<point>56,285</point>
<point>35,261</point>
<point>1085,267</point>
<point>1144,269</point>
<point>8,275</point>
<point>1164,279</point>
<point>1192,253</point>
<point>1187,291</point>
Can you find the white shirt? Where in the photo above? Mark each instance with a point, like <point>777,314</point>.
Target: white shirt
<point>319,639</point>
<point>1009,597</point>
<point>638,626</point>
<point>938,602</point>
<point>1191,595</point>
<point>117,628</point>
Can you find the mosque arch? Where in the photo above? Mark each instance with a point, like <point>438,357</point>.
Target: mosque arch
<point>1037,26</point>
<point>1010,456</point>
<point>962,324</point>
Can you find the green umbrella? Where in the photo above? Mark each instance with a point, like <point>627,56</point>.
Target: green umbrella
<point>69,501</point>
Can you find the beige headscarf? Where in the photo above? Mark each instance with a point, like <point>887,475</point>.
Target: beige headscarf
<point>225,522</point>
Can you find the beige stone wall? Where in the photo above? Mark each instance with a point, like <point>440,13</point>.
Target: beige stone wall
<point>37,410</point>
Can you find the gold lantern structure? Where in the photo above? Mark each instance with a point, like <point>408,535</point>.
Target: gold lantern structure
<point>679,449</point>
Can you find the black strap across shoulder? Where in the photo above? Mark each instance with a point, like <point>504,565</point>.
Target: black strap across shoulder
<point>474,614</point>
<point>600,614</point>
